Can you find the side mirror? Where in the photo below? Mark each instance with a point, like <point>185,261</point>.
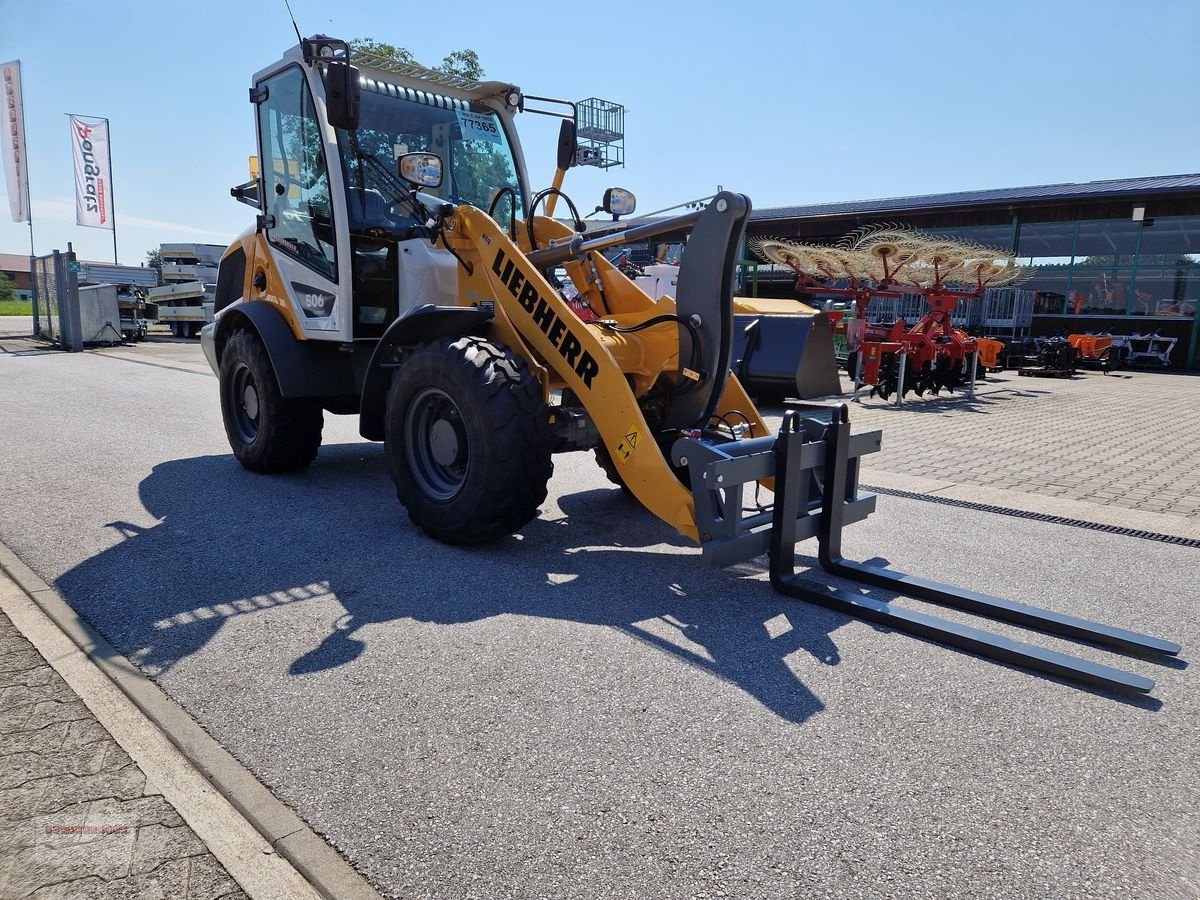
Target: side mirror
<point>566,145</point>
<point>247,193</point>
<point>421,169</point>
<point>618,202</point>
<point>342,93</point>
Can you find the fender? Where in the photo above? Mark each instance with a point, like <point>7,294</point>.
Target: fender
<point>303,368</point>
<point>423,323</point>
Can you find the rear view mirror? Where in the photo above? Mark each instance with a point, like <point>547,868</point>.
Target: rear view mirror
<point>619,202</point>
<point>566,145</point>
<point>342,94</point>
<point>247,193</point>
<point>421,169</point>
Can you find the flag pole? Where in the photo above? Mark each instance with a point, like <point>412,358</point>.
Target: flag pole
<point>112,193</point>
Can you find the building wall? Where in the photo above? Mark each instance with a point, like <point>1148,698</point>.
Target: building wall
<point>20,280</point>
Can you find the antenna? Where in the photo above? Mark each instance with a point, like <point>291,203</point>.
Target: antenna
<point>292,16</point>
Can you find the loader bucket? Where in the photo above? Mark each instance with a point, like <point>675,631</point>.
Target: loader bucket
<point>814,461</point>
<point>786,355</point>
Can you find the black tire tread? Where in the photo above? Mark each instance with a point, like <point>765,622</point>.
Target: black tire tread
<point>290,428</point>
<point>519,442</point>
<point>605,461</point>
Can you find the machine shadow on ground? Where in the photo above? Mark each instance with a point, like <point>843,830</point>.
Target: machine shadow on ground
<point>231,543</point>
<point>988,394</point>
<point>983,402</point>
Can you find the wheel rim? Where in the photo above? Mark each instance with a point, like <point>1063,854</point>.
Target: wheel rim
<point>244,405</point>
<point>436,445</point>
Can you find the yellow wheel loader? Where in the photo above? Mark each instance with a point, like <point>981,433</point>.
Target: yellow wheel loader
<point>398,269</point>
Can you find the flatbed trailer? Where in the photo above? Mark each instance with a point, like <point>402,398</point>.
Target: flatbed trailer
<point>186,306</point>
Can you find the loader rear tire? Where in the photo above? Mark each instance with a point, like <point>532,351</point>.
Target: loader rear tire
<point>605,461</point>
<point>267,431</point>
<point>468,440</point>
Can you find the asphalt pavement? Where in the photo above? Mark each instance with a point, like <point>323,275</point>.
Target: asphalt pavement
<point>584,709</point>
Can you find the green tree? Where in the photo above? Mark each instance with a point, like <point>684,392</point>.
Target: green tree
<point>463,63</point>
<point>379,48</point>
<point>154,261</point>
<point>478,168</point>
<point>8,293</point>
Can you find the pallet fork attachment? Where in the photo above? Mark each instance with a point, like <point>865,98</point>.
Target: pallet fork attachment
<point>814,461</point>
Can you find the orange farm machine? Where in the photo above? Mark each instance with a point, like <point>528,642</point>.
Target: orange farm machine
<point>887,262</point>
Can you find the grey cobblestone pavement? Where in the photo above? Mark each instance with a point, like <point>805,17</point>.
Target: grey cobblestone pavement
<point>77,817</point>
<point>1093,438</point>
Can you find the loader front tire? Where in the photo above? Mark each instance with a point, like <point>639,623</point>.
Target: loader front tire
<point>267,431</point>
<point>468,440</point>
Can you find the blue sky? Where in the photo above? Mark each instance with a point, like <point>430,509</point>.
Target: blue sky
<point>785,102</point>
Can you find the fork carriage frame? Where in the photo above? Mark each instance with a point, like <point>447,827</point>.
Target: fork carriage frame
<point>814,461</point>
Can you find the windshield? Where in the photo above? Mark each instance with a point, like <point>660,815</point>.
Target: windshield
<point>472,144</point>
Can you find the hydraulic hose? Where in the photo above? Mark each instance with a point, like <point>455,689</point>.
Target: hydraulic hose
<point>542,195</point>
<point>512,211</point>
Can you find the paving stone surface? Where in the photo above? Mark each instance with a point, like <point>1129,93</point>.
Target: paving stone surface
<point>76,820</point>
<point>1092,438</point>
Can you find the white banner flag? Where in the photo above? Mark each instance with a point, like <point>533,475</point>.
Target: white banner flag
<point>16,172</point>
<point>93,185</point>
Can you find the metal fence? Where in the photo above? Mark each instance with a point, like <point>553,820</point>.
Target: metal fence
<point>1008,309</point>
<point>45,272</point>
<point>911,307</point>
<point>1003,309</point>
<point>54,286</point>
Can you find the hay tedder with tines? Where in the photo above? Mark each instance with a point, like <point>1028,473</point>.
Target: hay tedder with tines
<point>888,262</point>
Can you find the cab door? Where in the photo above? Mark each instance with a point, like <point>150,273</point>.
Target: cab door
<point>298,207</point>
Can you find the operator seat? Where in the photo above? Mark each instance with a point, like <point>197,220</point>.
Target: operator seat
<point>366,208</point>
<point>373,262</point>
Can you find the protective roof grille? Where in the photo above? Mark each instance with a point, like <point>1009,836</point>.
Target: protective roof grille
<point>404,93</point>
<point>412,70</point>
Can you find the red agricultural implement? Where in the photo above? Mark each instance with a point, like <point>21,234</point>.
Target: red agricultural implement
<point>894,357</point>
<point>928,356</point>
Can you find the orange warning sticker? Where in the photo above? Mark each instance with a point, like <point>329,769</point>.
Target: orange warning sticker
<point>628,443</point>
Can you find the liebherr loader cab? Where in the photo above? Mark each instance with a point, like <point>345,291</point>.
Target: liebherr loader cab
<point>399,270</point>
<point>351,246</point>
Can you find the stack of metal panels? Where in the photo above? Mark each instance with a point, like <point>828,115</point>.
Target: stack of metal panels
<point>189,272</point>
<point>190,262</point>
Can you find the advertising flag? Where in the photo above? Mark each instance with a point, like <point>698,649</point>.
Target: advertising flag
<point>16,172</point>
<point>93,179</point>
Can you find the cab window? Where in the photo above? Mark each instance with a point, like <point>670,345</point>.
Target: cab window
<point>295,176</point>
